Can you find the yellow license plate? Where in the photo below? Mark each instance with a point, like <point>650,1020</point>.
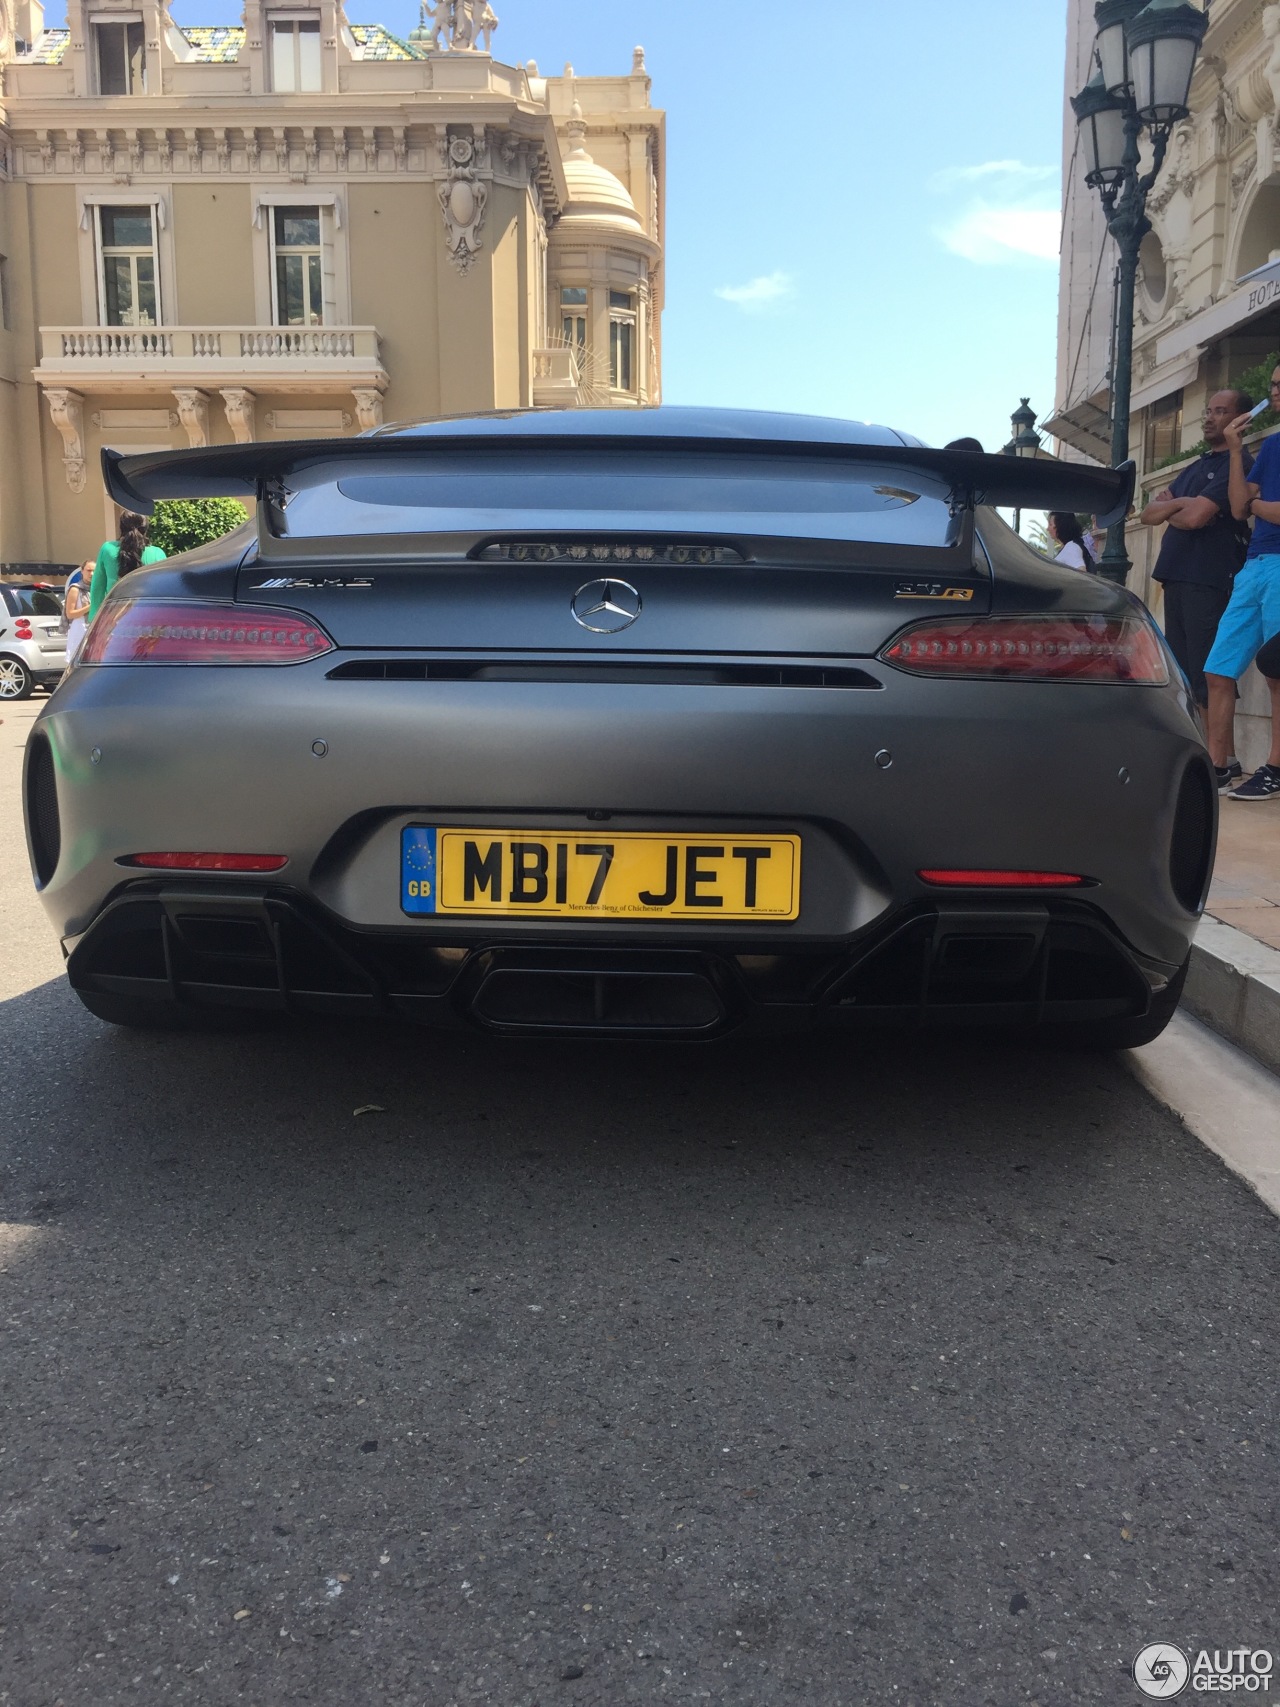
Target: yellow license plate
<point>595,875</point>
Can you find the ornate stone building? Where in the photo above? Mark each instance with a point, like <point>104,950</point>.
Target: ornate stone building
<point>302,225</point>
<point>1208,300</point>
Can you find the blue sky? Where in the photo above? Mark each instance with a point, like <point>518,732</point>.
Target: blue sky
<point>862,198</point>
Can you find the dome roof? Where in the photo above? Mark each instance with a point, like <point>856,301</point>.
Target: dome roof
<point>594,193</point>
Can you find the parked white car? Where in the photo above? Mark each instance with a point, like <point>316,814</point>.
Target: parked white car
<point>33,644</point>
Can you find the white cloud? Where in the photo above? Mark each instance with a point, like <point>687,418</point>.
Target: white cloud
<point>1010,214</point>
<point>759,294</point>
<point>1011,171</point>
<point>991,235</point>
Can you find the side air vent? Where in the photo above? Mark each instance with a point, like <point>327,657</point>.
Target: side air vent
<point>1192,845</point>
<point>42,809</point>
<point>607,552</point>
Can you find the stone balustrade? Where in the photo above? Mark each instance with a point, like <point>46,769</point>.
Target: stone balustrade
<point>241,347</point>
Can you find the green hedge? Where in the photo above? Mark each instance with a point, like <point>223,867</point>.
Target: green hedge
<point>180,524</point>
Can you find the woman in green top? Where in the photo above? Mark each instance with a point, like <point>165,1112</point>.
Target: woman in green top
<point>120,557</point>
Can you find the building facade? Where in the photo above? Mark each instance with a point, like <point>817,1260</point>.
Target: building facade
<point>298,226</point>
<point>1208,298</point>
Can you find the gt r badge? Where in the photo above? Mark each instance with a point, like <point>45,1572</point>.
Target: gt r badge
<point>605,607</point>
<point>932,590</point>
<point>325,581</point>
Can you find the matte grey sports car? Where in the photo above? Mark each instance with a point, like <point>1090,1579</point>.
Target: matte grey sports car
<point>660,723</point>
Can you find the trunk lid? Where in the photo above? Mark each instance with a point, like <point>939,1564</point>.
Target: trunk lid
<point>721,607</point>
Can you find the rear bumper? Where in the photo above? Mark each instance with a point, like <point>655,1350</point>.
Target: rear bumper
<point>327,771</point>
<point>1013,964</point>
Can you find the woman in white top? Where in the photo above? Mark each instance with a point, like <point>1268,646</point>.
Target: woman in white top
<point>76,608</point>
<point>1065,530</point>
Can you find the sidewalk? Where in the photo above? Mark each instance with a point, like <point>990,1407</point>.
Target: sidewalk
<point>1234,982</point>
<point>1246,879</point>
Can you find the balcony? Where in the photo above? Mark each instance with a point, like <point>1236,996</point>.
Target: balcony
<point>310,359</point>
<point>201,368</point>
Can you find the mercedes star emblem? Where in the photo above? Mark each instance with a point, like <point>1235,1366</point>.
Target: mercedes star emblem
<point>606,606</point>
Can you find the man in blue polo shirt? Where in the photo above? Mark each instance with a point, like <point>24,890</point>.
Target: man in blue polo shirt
<point>1253,615</point>
<point>1203,544</point>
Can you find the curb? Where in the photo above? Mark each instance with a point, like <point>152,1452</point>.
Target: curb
<point>1233,985</point>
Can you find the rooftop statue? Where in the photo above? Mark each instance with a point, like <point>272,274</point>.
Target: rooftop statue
<point>456,26</point>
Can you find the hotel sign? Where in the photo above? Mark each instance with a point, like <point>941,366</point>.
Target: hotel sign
<point>1253,297</point>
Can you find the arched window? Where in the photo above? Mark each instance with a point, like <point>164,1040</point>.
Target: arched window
<point>1260,233</point>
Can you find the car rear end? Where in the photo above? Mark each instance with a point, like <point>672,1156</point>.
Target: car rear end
<point>33,643</point>
<point>692,768</point>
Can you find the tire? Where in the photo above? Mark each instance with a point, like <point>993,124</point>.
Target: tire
<point>16,680</point>
<point>1125,1033</point>
<point>135,1013</point>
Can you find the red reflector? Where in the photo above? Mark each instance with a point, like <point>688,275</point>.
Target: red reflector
<point>171,631</point>
<point>1000,879</point>
<point>209,861</point>
<point>1045,649</point>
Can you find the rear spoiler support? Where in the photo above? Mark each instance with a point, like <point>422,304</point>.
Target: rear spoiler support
<point>262,470</point>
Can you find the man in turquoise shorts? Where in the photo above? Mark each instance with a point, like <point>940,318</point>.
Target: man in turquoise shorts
<point>1252,615</point>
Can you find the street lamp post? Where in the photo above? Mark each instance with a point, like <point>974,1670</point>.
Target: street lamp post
<point>1146,54</point>
<point>1024,442</point>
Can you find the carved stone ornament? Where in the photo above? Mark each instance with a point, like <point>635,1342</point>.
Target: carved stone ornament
<point>193,412</point>
<point>1179,174</point>
<point>239,406</point>
<point>462,202</point>
<point>1171,211</point>
<point>66,410</point>
<point>457,26</point>
<point>368,408</point>
<point>1241,176</point>
<point>1271,31</point>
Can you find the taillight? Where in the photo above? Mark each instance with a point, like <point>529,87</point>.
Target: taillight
<point>163,631</point>
<point>207,861</point>
<point>22,629</point>
<point>964,878</point>
<point>1044,649</point>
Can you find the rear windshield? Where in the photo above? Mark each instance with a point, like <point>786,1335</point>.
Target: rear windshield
<point>32,601</point>
<point>783,497</point>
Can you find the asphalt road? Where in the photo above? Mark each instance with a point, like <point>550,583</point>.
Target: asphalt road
<point>610,1375</point>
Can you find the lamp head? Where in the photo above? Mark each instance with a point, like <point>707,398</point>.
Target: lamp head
<point>1163,40</point>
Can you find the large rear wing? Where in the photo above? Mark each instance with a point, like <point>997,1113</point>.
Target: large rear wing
<point>263,470</point>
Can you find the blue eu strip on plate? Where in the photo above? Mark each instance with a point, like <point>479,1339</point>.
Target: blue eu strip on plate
<point>418,869</point>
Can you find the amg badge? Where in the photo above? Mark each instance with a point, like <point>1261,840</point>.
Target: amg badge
<point>932,590</point>
<point>311,582</point>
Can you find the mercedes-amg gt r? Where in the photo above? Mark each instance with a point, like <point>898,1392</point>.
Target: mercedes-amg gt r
<point>660,723</point>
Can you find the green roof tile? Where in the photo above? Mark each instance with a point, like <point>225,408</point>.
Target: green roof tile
<point>379,43</point>
<point>51,47</point>
<point>220,44</point>
<point>215,44</point>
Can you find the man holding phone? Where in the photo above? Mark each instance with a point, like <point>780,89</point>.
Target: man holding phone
<point>1202,548</point>
<point>1253,615</point>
